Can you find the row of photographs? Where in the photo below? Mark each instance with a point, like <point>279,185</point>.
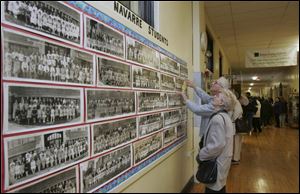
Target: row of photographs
<point>30,158</point>
<point>28,58</point>
<point>64,23</point>
<point>35,107</point>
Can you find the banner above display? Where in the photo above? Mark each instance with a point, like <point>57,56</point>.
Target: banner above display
<point>271,57</point>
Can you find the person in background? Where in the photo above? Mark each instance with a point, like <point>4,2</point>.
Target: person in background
<point>250,110</point>
<point>283,114</point>
<point>277,111</point>
<point>256,117</point>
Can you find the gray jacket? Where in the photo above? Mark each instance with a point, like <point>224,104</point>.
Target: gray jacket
<point>219,144</point>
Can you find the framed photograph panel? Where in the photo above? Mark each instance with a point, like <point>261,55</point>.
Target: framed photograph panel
<point>28,58</point>
<point>145,78</point>
<point>112,73</point>
<point>141,54</point>
<point>183,71</point>
<point>144,148</point>
<point>48,18</point>
<point>169,65</point>
<point>96,172</point>
<point>149,124</point>
<point>174,100</point>
<point>62,182</point>
<point>100,37</point>
<point>172,117</point>
<point>169,136</point>
<point>151,101</point>
<point>33,107</point>
<point>29,157</point>
<point>167,82</point>
<point>107,104</point>
<point>114,134</point>
<point>182,129</point>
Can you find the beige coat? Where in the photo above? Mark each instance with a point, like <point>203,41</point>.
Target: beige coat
<point>219,144</point>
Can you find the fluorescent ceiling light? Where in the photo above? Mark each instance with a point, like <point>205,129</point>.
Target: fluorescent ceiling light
<point>254,78</point>
<point>251,84</point>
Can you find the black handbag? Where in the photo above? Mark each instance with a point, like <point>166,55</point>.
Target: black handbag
<point>207,170</point>
<point>241,126</point>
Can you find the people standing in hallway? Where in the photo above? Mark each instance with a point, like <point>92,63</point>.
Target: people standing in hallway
<point>256,116</point>
<point>277,111</point>
<point>218,143</point>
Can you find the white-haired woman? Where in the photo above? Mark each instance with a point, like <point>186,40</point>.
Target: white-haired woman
<point>218,141</point>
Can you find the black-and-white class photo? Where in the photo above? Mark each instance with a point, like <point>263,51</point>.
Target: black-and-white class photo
<point>184,113</point>
<point>113,73</point>
<point>167,82</point>
<point>45,17</point>
<point>169,135</point>
<point>174,100</point>
<point>64,182</point>
<point>29,107</point>
<point>172,117</point>
<point>150,123</point>
<point>32,59</point>
<point>150,101</point>
<point>96,172</point>
<point>100,37</point>
<point>182,129</point>
<point>142,54</point>
<point>145,78</point>
<point>32,156</point>
<point>183,71</point>
<point>146,147</point>
<point>113,134</point>
<point>109,103</point>
<point>169,65</point>
<point>179,85</point>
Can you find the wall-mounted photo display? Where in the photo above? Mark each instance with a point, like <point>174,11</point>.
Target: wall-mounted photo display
<point>96,172</point>
<point>174,100</point>
<point>114,134</point>
<point>150,123</point>
<point>183,71</point>
<point>105,104</point>
<point>49,18</point>
<point>113,73</point>
<point>169,65</point>
<point>145,78</point>
<point>27,58</point>
<point>169,136</point>
<point>31,107</point>
<point>147,147</point>
<point>32,156</point>
<point>182,129</point>
<point>63,182</point>
<point>172,117</point>
<point>151,101</point>
<point>102,38</point>
<point>167,82</point>
<point>179,85</point>
<point>141,54</point>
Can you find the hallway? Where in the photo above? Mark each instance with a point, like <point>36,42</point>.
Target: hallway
<point>269,164</point>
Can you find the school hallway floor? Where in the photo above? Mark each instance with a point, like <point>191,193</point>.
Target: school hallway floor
<point>269,164</point>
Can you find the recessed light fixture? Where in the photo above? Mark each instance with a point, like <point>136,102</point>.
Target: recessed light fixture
<point>251,84</point>
<point>254,78</point>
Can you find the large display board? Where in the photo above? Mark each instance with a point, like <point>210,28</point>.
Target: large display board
<point>85,105</point>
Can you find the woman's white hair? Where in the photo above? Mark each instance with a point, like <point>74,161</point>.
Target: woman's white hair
<point>228,98</point>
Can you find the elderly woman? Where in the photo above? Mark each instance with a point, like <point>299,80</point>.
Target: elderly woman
<point>219,141</point>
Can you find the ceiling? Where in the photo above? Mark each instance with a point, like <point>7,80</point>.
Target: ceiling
<point>247,25</point>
